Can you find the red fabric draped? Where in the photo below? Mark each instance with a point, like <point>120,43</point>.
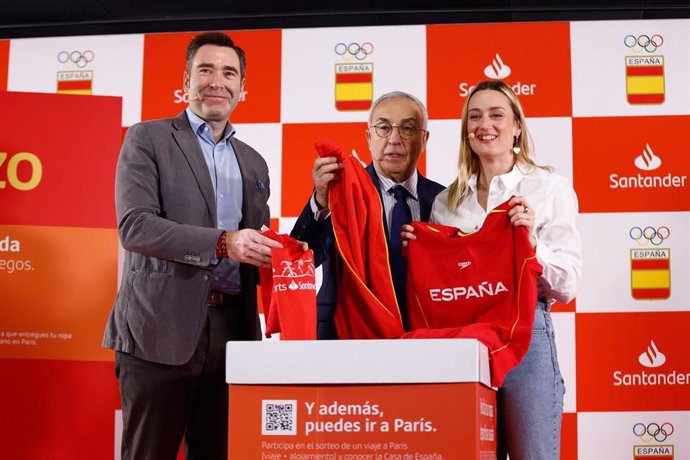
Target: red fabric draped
<point>366,307</point>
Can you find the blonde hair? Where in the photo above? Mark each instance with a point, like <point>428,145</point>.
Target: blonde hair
<point>468,161</point>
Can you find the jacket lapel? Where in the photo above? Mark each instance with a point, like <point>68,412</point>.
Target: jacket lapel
<point>426,197</point>
<point>186,140</point>
<point>248,186</point>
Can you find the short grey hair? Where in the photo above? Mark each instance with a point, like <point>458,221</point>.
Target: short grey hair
<point>400,95</point>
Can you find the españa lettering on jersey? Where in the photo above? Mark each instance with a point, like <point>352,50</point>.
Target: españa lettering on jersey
<point>288,290</point>
<point>479,285</point>
<point>366,307</point>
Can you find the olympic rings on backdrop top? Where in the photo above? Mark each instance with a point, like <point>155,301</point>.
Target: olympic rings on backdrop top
<point>354,50</point>
<point>643,42</point>
<point>653,431</point>
<point>655,236</point>
<point>76,57</point>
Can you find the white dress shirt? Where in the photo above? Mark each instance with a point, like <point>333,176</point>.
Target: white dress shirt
<point>554,203</point>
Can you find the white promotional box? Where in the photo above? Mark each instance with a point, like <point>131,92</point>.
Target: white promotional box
<point>369,399</point>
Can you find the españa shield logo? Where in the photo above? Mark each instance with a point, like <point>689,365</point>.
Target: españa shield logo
<point>644,73</point>
<point>75,82</point>
<point>650,273</point>
<point>79,80</point>
<point>354,80</point>
<point>644,79</point>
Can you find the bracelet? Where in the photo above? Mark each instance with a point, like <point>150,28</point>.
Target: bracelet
<point>221,248</point>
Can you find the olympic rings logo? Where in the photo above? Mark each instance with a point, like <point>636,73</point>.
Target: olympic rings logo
<point>655,236</point>
<point>653,431</point>
<point>76,57</point>
<point>354,50</point>
<point>643,42</point>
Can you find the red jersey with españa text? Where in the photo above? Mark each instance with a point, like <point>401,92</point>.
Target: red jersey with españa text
<point>479,285</point>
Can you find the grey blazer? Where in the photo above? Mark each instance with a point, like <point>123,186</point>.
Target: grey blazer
<point>167,223</point>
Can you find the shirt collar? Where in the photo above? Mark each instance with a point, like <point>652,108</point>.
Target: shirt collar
<point>410,184</point>
<point>199,126</point>
<point>508,180</point>
<point>511,179</point>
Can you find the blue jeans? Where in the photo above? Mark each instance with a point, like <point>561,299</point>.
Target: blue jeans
<point>530,403</point>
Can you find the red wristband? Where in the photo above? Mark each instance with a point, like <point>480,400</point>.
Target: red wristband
<point>221,248</point>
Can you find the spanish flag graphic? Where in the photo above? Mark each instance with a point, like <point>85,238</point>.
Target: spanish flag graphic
<point>644,79</point>
<point>354,86</point>
<point>650,272</point>
<point>75,82</point>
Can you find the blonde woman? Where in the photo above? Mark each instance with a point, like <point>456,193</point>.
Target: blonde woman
<point>494,165</point>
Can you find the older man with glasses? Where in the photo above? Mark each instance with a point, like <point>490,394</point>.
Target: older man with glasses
<point>397,136</point>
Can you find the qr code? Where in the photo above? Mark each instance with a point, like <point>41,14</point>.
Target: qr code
<point>279,417</point>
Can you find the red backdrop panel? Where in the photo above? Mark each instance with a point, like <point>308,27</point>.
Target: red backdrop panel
<point>631,164</point>
<point>164,66</point>
<point>459,56</point>
<point>60,172</point>
<point>569,437</point>
<point>4,61</point>
<point>632,362</point>
<point>59,410</point>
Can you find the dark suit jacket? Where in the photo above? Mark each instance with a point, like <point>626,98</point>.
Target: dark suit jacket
<point>321,240</point>
<point>167,223</point>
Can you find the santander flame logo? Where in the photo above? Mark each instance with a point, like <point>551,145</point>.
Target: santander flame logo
<point>497,69</point>
<point>647,161</point>
<point>652,357</point>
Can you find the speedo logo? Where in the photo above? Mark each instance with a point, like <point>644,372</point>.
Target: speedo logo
<point>466,292</point>
<point>464,264</point>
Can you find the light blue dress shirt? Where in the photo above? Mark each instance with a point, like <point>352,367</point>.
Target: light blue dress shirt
<point>227,186</point>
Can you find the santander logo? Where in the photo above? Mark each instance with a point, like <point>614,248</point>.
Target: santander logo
<point>652,357</point>
<point>647,161</point>
<point>497,70</point>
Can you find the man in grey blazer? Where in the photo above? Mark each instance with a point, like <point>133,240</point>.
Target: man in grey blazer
<point>190,199</point>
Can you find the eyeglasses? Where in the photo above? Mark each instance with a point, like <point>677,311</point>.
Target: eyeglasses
<point>406,131</point>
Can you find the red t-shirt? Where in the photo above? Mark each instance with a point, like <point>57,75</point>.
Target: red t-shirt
<point>288,290</point>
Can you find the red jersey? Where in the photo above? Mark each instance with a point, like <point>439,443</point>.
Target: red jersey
<point>288,290</point>
<point>479,285</point>
<point>366,306</point>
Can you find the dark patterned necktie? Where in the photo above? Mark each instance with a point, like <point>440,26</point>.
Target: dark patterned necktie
<point>401,215</point>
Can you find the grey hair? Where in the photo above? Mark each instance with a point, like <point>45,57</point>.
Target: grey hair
<point>400,95</point>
